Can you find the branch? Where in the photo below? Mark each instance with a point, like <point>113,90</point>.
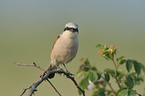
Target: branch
<point>109,85</point>
<point>25,90</point>
<point>33,65</point>
<point>116,67</point>
<point>53,87</point>
<point>45,76</point>
<point>34,86</point>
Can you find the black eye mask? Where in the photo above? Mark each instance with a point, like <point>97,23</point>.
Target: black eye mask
<point>71,29</point>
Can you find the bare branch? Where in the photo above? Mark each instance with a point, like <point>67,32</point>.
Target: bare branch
<point>34,86</point>
<point>33,65</point>
<point>68,75</point>
<point>53,87</point>
<point>25,90</point>
<point>45,77</point>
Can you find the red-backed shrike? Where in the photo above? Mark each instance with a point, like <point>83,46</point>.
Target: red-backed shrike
<point>65,47</point>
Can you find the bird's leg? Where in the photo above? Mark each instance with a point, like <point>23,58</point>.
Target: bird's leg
<point>65,67</point>
<point>56,65</point>
<point>67,70</point>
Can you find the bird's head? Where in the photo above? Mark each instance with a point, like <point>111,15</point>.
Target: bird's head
<point>72,27</point>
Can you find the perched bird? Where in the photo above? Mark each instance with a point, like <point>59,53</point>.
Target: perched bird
<point>65,47</point>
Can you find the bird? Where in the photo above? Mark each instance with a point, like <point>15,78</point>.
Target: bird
<point>65,47</point>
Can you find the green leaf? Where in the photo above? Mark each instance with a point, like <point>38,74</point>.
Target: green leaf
<point>79,92</point>
<point>120,75</point>
<point>84,83</point>
<point>122,92</point>
<point>86,62</point>
<point>100,46</point>
<point>142,67</point>
<point>110,71</point>
<point>86,68</point>
<point>107,77</point>
<point>80,74</point>
<point>129,65</point>
<point>137,67</point>
<point>132,92</point>
<point>99,75</point>
<point>120,58</point>
<point>93,76</point>
<point>126,92</point>
<point>106,55</point>
<point>122,61</point>
<point>99,92</point>
<point>93,68</point>
<point>129,82</point>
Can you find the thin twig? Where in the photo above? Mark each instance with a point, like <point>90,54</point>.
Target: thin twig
<point>74,81</point>
<point>33,65</point>
<point>53,87</point>
<point>109,85</point>
<point>25,90</point>
<point>116,67</point>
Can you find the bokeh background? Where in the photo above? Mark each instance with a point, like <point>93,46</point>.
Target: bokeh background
<point>28,29</point>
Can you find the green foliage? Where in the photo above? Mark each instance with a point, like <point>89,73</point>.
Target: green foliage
<point>127,92</point>
<point>88,72</point>
<point>100,81</point>
<point>137,67</point>
<point>107,77</point>
<point>129,65</point>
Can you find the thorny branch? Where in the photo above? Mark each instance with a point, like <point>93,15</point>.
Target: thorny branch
<point>45,77</point>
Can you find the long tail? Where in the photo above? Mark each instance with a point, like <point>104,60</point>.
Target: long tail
<point>51,67</point>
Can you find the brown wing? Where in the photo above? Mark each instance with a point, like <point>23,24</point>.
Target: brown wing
<point>56,40</point>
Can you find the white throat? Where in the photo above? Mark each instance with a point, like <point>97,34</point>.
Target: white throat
<point>71,35</point>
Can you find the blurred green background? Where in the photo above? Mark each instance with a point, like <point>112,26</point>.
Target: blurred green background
<point>28,29</point>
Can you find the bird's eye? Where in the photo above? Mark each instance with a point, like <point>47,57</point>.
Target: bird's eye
<point>76,30</point>
<point>66,29</point>
<point>71,29</point>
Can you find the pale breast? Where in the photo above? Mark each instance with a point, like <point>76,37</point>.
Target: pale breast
<point>64,50</point>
